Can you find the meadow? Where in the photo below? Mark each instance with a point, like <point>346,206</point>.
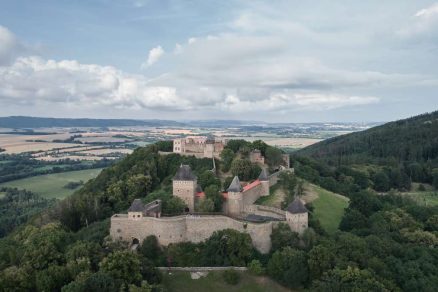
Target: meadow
<point>52,185</point>
<point>182,282</point>
<point>328,208</point>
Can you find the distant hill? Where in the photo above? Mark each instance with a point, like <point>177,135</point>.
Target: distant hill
<point>409,140</point>
<point>17,122</point>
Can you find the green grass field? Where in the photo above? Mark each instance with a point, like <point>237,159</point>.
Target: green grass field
<point>52,185</point>
<point>329,208</point>
<point>428,198</point>
<point>182,282</point>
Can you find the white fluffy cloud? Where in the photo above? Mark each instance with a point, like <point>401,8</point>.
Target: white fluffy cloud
<point>9,46</point>
<point>424,23</point>
<point>154,55</point>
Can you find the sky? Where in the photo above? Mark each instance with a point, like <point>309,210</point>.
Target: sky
<point>274,61</point>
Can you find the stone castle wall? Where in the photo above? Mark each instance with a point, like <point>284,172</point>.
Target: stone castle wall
<point>266,211</point>
<point>194,228</point>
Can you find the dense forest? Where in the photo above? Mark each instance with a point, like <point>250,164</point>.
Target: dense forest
<point>403,141</point>
<point>17,166</point>
<point>384,243</point>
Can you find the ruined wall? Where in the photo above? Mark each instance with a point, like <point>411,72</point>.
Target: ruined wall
<point>194,228</point>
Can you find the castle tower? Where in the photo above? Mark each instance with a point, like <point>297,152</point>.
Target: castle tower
<point>297,216</point>
<point>135,212</point>
<point>234,201</point>
<point>264,181</point>
<point>184,186</point>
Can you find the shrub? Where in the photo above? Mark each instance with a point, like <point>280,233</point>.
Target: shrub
<point>255,267</point>
<point>231,277</point>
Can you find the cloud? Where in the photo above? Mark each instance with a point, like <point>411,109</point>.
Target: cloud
<point>424,23</point>
<point>154,55</point>
<point>9,46</point>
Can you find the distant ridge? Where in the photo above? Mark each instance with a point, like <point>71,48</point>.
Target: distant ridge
<point>17,122</point>
<point>413,139</point>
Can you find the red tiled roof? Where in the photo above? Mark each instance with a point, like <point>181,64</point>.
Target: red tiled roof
<point>251,185</point>
<point>200,194</point>
<point>225,195</point>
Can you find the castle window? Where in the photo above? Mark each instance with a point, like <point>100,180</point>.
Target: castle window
<point>119,230</point>
<point>138,216</point>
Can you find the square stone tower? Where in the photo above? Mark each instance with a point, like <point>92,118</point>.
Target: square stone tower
<point>184,186</point>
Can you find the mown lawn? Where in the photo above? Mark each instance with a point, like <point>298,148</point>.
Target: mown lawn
<point>181,282</point>
<point>52,185</point>
<point>329,208</point>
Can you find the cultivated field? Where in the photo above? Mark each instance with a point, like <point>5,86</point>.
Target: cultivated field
<point>52,185</point>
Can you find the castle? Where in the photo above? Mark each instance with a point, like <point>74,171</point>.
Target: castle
<point>239,213</point>
<point>199,146</point>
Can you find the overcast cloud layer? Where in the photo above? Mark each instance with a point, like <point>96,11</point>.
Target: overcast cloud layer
<point>288,62</point>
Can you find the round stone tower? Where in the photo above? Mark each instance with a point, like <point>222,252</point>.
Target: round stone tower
<point>297,216</point>
<point>234,200</point>
<point>264,181</point>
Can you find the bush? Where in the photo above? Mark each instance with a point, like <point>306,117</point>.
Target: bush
<point>231,277</point>
<point>421,188</point>
<point>255,267</point>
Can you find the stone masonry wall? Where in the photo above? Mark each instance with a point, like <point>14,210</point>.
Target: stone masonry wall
<point>194,228</point>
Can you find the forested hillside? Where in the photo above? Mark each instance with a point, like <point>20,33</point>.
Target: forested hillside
<point>409,140</point>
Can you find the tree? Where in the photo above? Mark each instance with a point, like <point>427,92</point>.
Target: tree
<point>349,279</point>
<point>227,247</point>
<point>289,267</point>
<point>123,266</point>
<point>151,249</point>
<point>227,156</point>
<point>435,178</point>
<point>100,281</point>
<point>244,169</point>
<point>208,178</point>
<point>381,182</point>
<point>52,278</point>
<point>235,145</point>
<point>282,236</point>
<point>138,186</point>
<point>288,182</point>
<point>212,193</point>
<point>255,267</point>
<point>206,205</point>
<point>274,156</point>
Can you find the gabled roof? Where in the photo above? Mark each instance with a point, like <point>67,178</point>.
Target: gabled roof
<point>184,173</point>
<point>296,207</point>
<point>235,185</point>
<point>199,189</point>
<point>136,206</point>
<point>263,175</point>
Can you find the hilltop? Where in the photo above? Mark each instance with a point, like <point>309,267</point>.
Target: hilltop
<point>409,140</point>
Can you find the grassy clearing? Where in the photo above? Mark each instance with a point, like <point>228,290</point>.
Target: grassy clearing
<point>428,198</point>
<point>52,185</point>
<point>275,198</point>
<point>328,208</point>
<point>182,282</point>
<point>2,194</point>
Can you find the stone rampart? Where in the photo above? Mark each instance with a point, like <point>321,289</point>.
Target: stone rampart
<point>265,211</point>
<point>194,228</point>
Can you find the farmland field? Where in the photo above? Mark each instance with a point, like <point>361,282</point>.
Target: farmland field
<point>52,185</point>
